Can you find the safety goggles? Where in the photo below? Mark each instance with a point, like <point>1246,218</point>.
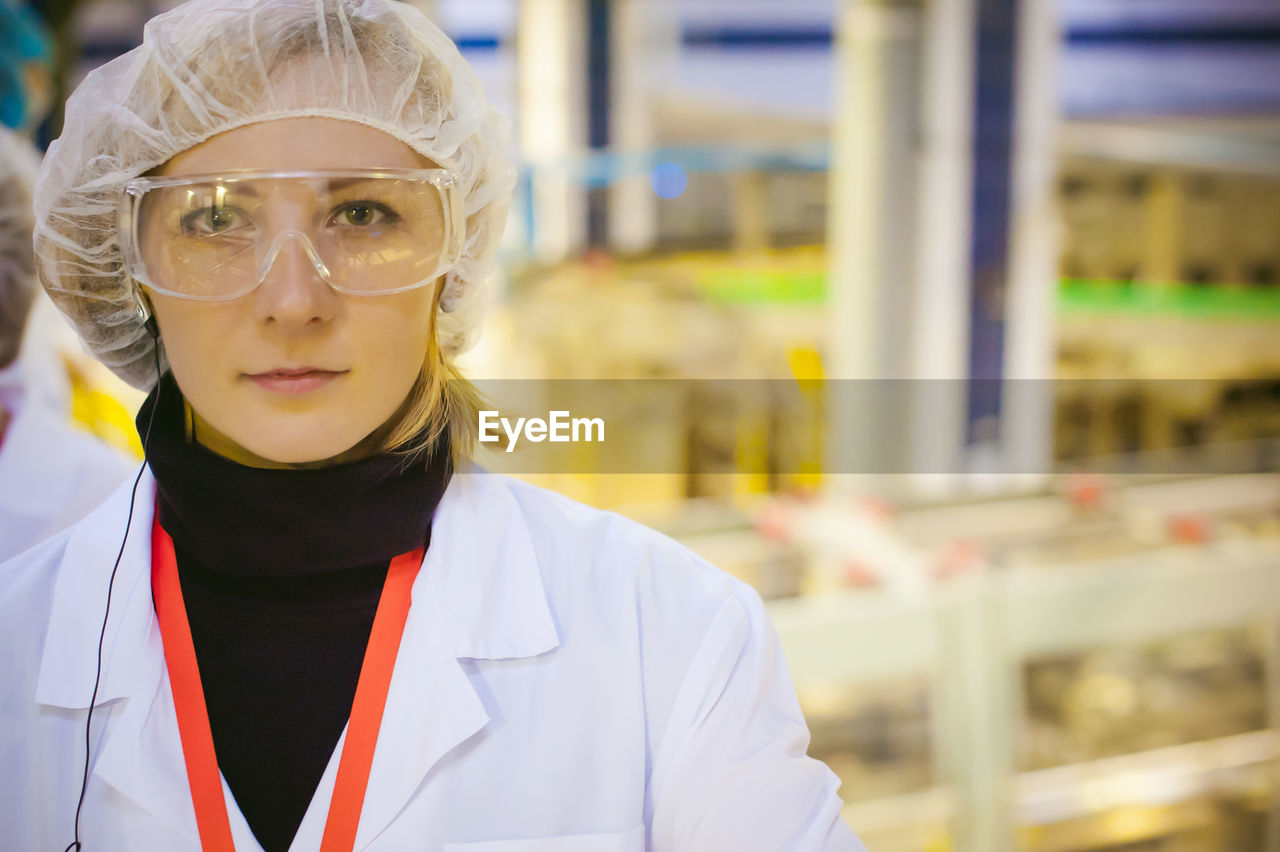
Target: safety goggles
<point>365,232</point>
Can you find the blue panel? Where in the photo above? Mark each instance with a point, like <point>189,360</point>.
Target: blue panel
<point>755,38</point>
<point>997,28</point>
<point>478,43</point>
<point>599,74</point>
<point>1157,35</point>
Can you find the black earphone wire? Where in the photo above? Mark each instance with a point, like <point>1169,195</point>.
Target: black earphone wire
<point>106,613</point>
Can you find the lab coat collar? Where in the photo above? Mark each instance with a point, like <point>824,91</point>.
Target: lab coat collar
<point>484,570</point>
<point>479,595</point>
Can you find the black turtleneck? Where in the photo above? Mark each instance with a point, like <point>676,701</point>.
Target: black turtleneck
<point>281,571</point>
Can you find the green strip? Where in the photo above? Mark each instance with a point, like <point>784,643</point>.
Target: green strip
<point>1183,300</point>
<point>765,288</point>
<point>1075,296</point>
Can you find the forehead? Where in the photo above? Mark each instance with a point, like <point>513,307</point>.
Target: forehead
<point>297,143</point>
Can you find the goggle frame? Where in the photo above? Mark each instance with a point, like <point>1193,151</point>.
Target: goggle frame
<point>444,181</point>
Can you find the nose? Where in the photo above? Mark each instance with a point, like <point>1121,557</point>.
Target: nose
<point>294,290</point>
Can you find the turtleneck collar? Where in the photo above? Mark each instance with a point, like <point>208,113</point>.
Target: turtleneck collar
<point>252,521</point>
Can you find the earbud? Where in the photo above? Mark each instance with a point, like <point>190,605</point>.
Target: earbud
<point>143,306</point>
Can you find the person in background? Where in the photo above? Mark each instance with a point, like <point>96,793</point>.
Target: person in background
<point>26,80</point>
<point>312,623</point>
<point>51,473</point>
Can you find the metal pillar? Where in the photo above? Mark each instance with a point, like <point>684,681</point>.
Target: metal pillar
<point>872,176</point>
<point>552,93</point>
<point>975,716</point>
<point>939,333</point>
<point>750,196</point>
<point>1162,244</point>
<point>871,226</point>
<point>1029,355</point>
<point>645,37</point>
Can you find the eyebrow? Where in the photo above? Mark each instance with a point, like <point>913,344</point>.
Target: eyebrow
<point>345,183</point>
<point>247,188</point>
<point>232,188</point>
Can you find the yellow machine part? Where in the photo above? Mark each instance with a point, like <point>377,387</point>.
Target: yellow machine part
<point>100,412</point>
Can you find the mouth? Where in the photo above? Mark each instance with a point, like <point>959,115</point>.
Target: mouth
<point>294,380</point>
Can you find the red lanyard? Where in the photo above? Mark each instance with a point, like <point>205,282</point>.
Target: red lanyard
<point>193,716</point>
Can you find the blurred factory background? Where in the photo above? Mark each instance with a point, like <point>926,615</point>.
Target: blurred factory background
<point>1043,238</point>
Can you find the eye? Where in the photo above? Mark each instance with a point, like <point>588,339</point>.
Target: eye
<point>364,214</point>
<point>211,221</point>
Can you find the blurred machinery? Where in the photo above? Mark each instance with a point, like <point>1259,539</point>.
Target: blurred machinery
<point>1165,311</point>
<point>1093,667</point>
<point>1171,272</point>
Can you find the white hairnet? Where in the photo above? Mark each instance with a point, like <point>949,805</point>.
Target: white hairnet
<point>209,66</point>
<point>19,163</point>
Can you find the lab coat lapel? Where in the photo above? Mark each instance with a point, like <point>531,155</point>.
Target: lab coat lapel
<point>479,595</point>
<point>142,758</point>
<point>139,753</point>
<point>431,709</point>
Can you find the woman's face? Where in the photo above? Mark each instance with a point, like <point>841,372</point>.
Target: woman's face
<point>295,371</point>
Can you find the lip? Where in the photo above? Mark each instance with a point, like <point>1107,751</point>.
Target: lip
<point>295,380</point>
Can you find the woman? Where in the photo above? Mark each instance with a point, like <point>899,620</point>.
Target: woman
<point>291,206</point>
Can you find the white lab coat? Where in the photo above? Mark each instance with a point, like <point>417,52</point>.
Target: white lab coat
<point>568,681</point>
<point>51,474</point>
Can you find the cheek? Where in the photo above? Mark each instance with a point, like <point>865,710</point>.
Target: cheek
<point>195,339</point>
<point>403,329</point>
<point>395,345</point>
